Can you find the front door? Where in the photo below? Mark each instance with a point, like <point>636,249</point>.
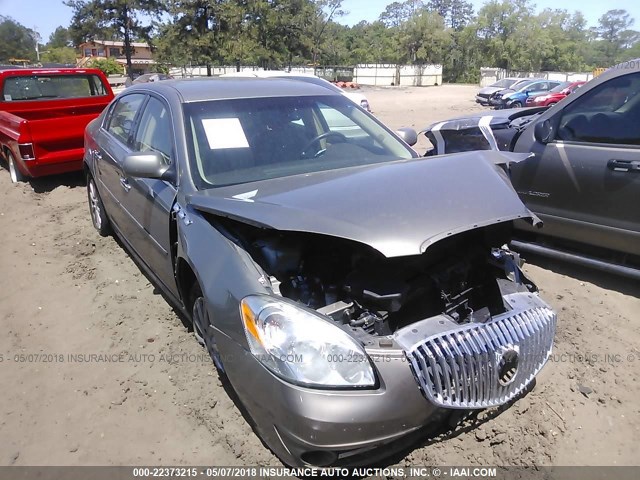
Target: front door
<point>114,144</point>
<point>149,200</point>
<point>586,182</point>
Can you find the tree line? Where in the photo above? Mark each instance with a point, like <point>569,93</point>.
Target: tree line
<point>507,34</point>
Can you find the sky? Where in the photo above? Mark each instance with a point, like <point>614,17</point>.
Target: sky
<point>45,15</point>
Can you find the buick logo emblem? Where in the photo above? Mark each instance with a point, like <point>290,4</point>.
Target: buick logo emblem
<point>507,364</point>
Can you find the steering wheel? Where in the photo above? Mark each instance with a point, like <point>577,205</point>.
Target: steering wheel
<point>568,130</point>
<point>322,136</point>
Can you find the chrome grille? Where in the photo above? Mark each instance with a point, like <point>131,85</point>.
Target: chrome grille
<point>484,365</point>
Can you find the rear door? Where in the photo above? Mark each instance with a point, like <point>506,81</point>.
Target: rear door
<point>148,201</point>
<point>586,182</point>
<point>114,142</point>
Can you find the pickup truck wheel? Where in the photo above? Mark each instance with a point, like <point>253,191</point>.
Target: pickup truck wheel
<point>15,173</point>
<point>202,329</point>
<point>96,207</point>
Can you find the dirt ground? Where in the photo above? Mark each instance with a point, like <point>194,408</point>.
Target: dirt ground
<point>97,369</point>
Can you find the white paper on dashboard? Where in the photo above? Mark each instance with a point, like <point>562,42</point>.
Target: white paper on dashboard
<point>224,133</point>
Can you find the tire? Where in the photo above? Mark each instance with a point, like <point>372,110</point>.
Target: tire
<point>14,172</point>
<point>202,329</point>
<point>516,105</point>
<point>99,216</point>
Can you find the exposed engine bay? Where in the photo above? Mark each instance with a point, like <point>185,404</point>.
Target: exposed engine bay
<point>464,276</point>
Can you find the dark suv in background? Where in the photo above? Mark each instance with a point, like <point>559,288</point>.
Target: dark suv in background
<point>583,178</point>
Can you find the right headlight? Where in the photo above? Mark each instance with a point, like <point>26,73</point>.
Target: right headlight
<point>303,347</point>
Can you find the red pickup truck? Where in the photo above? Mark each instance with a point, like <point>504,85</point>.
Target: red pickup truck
<point>43,114</point>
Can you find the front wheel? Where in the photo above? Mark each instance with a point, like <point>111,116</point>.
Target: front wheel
<point>14,172</point>
<point>516,105</point>
<point>202,327</point>
<point>96,208</point>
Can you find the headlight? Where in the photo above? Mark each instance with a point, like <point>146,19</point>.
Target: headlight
<point>303,347</point>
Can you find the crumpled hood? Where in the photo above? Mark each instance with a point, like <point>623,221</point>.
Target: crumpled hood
<point>494,118</point>
<point>489,90</point>
<point>398,208</point>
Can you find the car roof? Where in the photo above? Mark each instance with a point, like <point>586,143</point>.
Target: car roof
<point>530,81</point>
<point>215,88</point>
<point>304,77</point>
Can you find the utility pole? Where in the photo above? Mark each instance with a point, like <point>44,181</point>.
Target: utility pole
<point>36,37</point>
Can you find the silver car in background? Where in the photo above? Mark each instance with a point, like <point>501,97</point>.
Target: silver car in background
<point>351,291</point>
<point>483,95</point>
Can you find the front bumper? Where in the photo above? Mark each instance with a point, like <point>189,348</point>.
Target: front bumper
<point>302,424</point>
<point>482,100</point>
<point>497,102</point>
<point>433,365</point>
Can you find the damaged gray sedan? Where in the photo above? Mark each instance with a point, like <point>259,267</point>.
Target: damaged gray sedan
<point>351,292</point>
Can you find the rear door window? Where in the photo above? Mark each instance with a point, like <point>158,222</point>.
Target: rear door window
<point>122,115</point>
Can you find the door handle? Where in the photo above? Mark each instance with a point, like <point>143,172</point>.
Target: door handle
<point>125,184</point>
<point>623,165</point>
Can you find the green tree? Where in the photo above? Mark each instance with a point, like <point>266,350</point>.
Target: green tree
<point>325,11</point>
<point>193,34</point>
<point>64,55</point>
<point>397,13</point>
<point>424,39</point>
<point>615,35</point>
<point>498,22</point>
<point>108,65</point>
<point>456,13</point>
<point>269,33</point>
<point>371,43</point>
<point>16,40</point>
<point>119,17</point>
<point>60,38</point>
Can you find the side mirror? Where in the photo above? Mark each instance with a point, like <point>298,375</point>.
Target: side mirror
<point>543,132</point>
<point>409,135</point>
<point>144,165</point>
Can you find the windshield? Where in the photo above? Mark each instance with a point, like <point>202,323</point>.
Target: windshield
<point>46,87</point>
<point>504,83</point>
<point>560,87</point>
<point>521,86</point>
<point>247,140</point>
<point>521,83</point>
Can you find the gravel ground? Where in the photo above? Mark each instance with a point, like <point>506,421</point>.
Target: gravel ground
<point>97,369</point>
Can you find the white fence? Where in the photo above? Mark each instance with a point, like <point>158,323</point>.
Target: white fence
<point>365,74</point>
<point>187,72</point>
<point>404,75</point>
<point>489,76</point>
